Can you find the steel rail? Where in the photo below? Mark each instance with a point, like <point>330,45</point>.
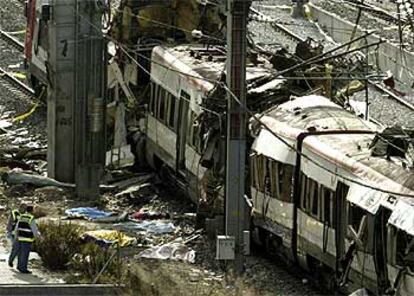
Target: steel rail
<point>16,83</point>
<point>11,40</point>
<point>278,27</point>
<point>379,12</point>
<point>392,95</point>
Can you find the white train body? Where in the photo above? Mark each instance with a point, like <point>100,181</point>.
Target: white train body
<point>312,204</point>
<point>331,198</point>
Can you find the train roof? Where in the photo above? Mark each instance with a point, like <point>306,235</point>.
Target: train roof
<point>351,151</point>
<point>202,65</point>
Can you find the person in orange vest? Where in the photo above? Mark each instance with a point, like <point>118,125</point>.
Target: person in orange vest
<point>25,233</point>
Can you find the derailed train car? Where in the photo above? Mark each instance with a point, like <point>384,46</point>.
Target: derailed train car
<point>317,200</point>
<point>314,180</point>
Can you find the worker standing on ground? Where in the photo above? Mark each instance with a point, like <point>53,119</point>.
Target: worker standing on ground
<point>26,231</point>
<point>10,232</point>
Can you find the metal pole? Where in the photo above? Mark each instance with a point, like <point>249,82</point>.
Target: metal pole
<point>236,125</point>
<point>90,100</point>
<point>76,95</point>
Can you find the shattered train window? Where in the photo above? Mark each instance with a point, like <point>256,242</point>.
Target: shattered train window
<point>361,227</point>
<point>281,181</point>
<point>355,215</point>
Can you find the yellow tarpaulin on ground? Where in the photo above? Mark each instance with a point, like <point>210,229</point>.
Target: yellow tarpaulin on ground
<point>112,236</point>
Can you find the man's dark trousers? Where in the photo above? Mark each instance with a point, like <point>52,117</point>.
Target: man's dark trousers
<point>15,251</point>
<point>24,255</point>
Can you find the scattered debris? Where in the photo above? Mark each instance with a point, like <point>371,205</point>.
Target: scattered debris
<point>145,214</point>
<point>108,237</point>
<point>16,177</point>
<point>123,184</point>
<point>155,226</point>
<point>133,190</point>
<point>49,193</point>
<point>360,292</point>
<point>87,213</point>
<point>173,251</point>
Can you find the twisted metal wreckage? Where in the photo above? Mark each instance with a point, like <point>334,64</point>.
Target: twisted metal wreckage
<point>328,189</point>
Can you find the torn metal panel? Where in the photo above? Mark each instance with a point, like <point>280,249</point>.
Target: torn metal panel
<point>403,216</point>
<point>366,198</point>
<point>167,63</point>
<point>269,145</point>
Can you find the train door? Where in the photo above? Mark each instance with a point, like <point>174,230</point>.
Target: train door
<point>182,127</point>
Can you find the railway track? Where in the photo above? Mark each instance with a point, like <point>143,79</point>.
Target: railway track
<point>11,40</point>
<point>14,83</point>
<point>258,16</point>
<point>376,11</point>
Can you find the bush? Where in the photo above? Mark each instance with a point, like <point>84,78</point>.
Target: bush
<point>86,265</point>
<point>58,243</point>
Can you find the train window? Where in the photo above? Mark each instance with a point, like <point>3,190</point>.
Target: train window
<point>285,186</point>
<point>327,200</point>
<point>274,179</point>
<point>162,98</point>
<point>171,112</point>
<point>153,101</point>
<point>253,170</point>
<point>405,250</point>
<point>267,166</point>
<point>304,192</point>
<point>43,39</point>
<point>260,165</point>
<point>281,174</point>
<point>313,198</point>
<point>355,215</point>
<point>193,138</point>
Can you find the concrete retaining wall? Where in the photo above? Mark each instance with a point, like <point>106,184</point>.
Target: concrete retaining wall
<point>389,56</point>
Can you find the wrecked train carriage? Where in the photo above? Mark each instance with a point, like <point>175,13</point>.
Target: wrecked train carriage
<point>310,202</point>
<point>163,19</point>
<point>184,127</point>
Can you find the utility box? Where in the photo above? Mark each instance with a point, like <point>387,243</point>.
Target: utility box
<point>225,247</point>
